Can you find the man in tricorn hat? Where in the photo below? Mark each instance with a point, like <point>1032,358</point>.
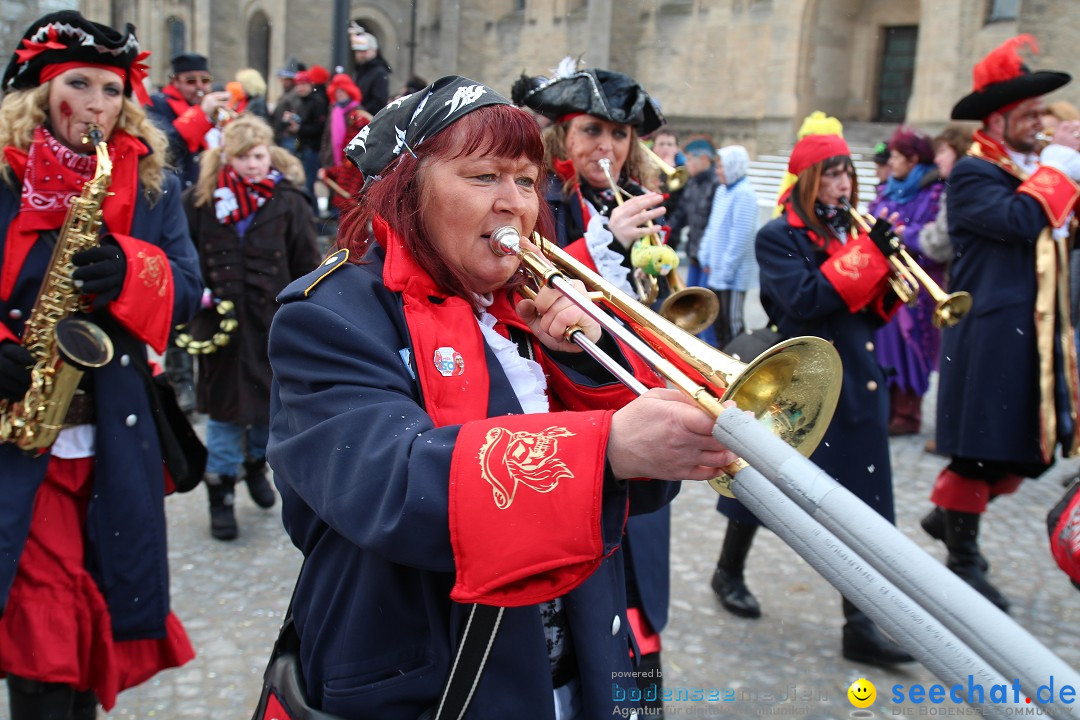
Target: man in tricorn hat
<point>1008,386</point>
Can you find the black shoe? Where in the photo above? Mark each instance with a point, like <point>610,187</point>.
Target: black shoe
<point>933,523</point>
<point>864,643</point>
<point>222,517</point>
<point>258,486</point>
<point>734,595</point>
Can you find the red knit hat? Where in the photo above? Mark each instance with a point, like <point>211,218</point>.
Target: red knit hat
<point>319,74</point>
<point>342,81</point>
<point>304,76</point>
<point>813,149</point>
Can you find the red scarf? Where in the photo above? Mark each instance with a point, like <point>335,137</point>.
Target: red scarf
<point>51,174</point>
<point>236,198</point>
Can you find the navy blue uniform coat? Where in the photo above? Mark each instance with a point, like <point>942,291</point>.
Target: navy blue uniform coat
<point>363,476</point>
<point>988,394</point>
<point>800,300</point>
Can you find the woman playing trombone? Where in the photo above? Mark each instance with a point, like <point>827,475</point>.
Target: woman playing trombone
<point>464,452</point>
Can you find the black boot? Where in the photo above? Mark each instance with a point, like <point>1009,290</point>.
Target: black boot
<point>258,486</point>
<point>961,538</point>
<point>35,700</point>
<point>933,523</point>
<point>727,580</point>
<point>85,706</point>
<point>222,518</point>
<point>864,643</point>
<point>650,680</point>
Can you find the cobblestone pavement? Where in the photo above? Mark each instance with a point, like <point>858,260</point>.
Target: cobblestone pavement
<point>231,597</point>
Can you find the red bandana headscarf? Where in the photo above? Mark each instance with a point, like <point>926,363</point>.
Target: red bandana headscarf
<point>51,174</point>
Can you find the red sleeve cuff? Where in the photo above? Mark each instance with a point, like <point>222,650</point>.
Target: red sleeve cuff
<point>145,304</point>
<point>193,126</point>
<point>1055,191</point>
<point>6,334</point>
<point>857,272</point>
<point>526,493</point>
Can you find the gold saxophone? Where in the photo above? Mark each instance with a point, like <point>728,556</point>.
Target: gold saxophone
<point>63,347</point>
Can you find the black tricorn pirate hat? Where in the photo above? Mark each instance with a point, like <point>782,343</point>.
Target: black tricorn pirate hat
<point>1001,79</point>
<point>605,94</point>
<point>68,37</point>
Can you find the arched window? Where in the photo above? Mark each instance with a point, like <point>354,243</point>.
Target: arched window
<point>258,37</point>
<point>176,32</point>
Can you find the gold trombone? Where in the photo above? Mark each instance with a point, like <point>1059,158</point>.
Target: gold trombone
<point>693,309</point>
<point>793,387</point>
<point>908,275</point>
<point>677,177</point>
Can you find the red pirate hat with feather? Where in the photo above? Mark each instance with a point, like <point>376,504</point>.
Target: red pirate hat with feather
<point>66,38</point>
<point>1001,79</point>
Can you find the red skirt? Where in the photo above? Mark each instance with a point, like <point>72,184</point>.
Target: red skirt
<point>56,626</point>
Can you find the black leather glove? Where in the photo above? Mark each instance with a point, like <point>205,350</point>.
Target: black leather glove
<point>882,235</point>
<point>100,272</point>
<point>15,362</point>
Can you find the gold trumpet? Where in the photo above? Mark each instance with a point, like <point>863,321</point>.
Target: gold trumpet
<point>693,309</point>
<point>908,275</point>
<point>677,177</point>
<point>792,387</point>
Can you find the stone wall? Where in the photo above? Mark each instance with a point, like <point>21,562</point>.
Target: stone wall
<point>740,70</point>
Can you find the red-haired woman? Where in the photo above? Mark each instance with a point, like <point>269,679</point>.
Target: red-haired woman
<point>436,445</point>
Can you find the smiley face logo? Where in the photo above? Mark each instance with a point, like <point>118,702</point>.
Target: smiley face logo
<point>862,693</point>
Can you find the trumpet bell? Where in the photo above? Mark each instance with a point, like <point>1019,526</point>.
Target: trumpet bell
<point>792,388</point>
<point>693,309</point>
<point>952,309</point>
<point>678,179</point>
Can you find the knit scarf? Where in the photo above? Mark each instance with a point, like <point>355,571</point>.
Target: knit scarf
<point>236,198</point>
<point>834,218</point>
<point>900,191</point>
<point>51,175</point>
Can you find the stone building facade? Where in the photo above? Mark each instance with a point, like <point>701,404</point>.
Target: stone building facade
<point>739,70</point>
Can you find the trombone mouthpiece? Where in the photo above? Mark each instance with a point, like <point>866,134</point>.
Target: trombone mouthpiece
<point>505,241</point>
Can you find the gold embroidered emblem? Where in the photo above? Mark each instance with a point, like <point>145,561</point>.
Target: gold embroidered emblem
<point>1047,181</point>
<point>511,458</point>
<point>852,263</point>
<point>153,272</point>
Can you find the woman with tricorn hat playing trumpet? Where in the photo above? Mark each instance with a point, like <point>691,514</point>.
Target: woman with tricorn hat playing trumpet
<point>592,143</point>
<point>84,587</point>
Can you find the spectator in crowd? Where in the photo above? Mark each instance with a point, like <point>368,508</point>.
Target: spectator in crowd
<point>881,162</point>
<point>907,347</point>
<point>255,233</point>
<point>189,113</point>
<point>287,110</point>
<point>727,244</point>
<point>951,145</point>
<point>254,87</point>
<point>344,98</point>
<point>187,110</point>
<point>84,582</point>
<point>372,72</point>
<point>309,127</point>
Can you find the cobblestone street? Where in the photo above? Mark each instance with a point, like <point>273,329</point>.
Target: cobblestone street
<point>231,597</point>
